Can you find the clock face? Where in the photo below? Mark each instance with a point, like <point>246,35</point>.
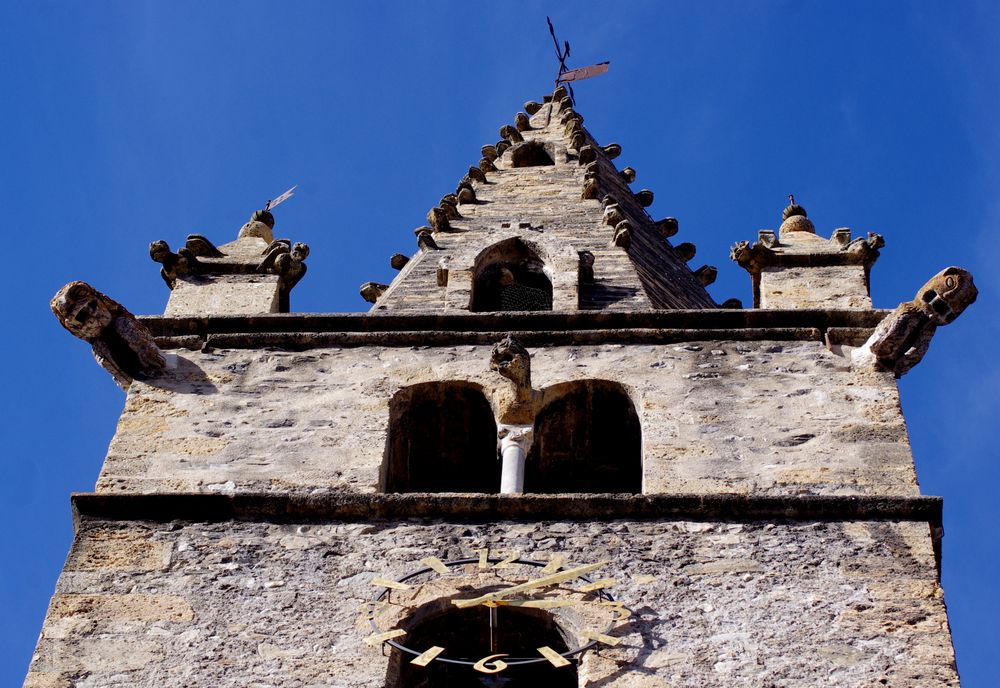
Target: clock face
<point>493,620</point>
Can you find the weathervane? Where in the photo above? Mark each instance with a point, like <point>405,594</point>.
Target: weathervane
<point>566,74</point>
<point>274,202</point>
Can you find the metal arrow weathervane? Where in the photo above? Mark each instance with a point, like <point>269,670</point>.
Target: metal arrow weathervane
<point>280,199</point>
<point>566,74</point>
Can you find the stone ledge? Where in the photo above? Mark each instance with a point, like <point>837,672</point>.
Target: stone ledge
<point>339,506</point>
<point>311,330</point>
<point>312,340</point>
<point>705,319</point>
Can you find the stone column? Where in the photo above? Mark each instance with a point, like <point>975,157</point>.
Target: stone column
<point>514,442</point>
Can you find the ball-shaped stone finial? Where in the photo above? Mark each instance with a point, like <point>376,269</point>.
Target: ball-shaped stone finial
<point>795,219</point>
<point>264,216</point>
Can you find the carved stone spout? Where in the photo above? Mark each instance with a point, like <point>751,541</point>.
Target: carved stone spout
<point>516,412</point>
<point>121,345</point>
<point>901,340</point>
<point>511,360</point>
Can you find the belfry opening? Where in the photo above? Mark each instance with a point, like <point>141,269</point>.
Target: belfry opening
<point>510,276</point>
<point>587,439</point>
<point>442,438</point>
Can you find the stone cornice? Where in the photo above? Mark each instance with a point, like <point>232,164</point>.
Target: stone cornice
<point>291,506</point>
<point>311,330</point>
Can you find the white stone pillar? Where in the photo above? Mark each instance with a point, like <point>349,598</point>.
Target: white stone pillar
<point>514,442</point>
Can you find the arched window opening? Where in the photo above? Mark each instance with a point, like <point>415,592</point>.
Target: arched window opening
<point>511,277</point>
<point>442,438</point>
<point>530,154</point>
<point>587,439</point>
<point>465,635</point>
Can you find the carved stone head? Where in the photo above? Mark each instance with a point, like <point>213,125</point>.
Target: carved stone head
<point>512,361</point>
<point>946,295</point>
<point>83,310</point>
<point>159,251</point>
<point>300,251</point>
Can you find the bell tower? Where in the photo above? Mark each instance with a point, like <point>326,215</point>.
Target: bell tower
<point>545,456</point>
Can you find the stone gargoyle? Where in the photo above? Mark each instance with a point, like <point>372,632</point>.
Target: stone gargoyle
<point>184,262</point>
<point>121,345</point>
<point>286,259</point>
<point>901,339</point>
<point>510,359</point>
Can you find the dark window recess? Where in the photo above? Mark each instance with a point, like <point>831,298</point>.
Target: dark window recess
<point>530,155</point>
<point>464,633</point>
<point>587,439</point>
<point>511,278</point>
<point>442,438</point>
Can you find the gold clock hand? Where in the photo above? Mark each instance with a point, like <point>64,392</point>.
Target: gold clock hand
<point>552,579</point>
<point>532,604</point>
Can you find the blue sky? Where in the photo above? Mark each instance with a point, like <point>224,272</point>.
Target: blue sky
<point>126,122</point>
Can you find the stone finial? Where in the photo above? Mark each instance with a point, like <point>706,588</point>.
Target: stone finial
<point>578,140</point>
<point>175,265</point>
<point>425,241</point>
<point>612,150</point>
<point>489,152</point>
<point>588,154</point>
<point>559,94</point>
<point>486,165</point>
<point>449,204</point>
<point>627,175</point>
<point>570,114</point>
<point>531,107</point>
<point>521,122</point>
<point>795,219</point>
<point>645,198</point>
<point>613,215</point>
<point>438,219</point>
<point>686,251</point>
<point>511,134</point>
<point>706,274</point>
<point>466,195</point>
<point>667,227</point>
<point>623,234</point>
<point>586,267</point>
<point>260,225</point>
<point>901,339</point>
<point>501,146</point>
<point>398,261</point>
<point>371,291</point>
<point>591,188</point>
<point>477,175</point>
<point>121,345</point>
<point>572,128</point>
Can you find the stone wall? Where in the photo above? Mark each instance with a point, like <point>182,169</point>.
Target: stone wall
<point>716,416</point>
<point>712,604</point>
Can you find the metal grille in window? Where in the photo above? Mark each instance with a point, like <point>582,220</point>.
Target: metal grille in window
<point>517,297</point>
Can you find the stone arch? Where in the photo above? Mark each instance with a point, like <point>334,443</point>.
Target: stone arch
<point>510,276</point>
<point>531,154</point>
<point>465,635</point>
<point>587,438</point>
<point>442,438</point>
<point>560,264</point>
